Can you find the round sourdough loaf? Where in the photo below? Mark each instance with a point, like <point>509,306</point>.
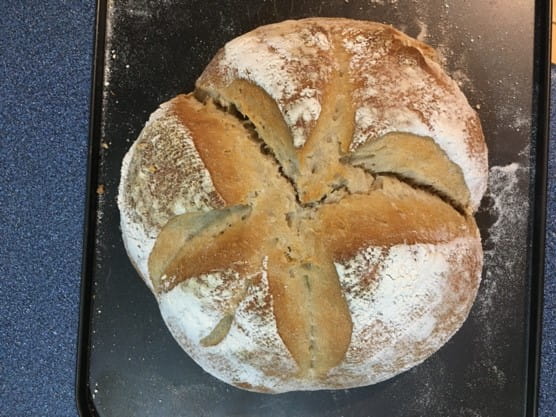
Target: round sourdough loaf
<point>305,217</point>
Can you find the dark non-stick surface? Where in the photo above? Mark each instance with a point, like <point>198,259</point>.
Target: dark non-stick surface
<point>155,50</point>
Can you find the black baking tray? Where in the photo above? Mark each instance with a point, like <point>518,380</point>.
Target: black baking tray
<point>148,51</point>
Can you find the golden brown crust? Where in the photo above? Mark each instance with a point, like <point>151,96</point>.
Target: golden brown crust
<point>311,313</point>
<point>393,213</point>
<point>307,223</point>
<point>221,140</point>
<point>415,158</point>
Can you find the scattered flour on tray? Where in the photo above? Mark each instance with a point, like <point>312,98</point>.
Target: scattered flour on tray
<point>383,2</point>
<point>500,300</point>
<point>108,54</point>
<point>506,205</point>
<point>503,252</point>
<point>423,31</point>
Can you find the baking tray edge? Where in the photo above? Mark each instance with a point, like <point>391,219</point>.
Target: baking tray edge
<point>541,109</point>
<point>83,396</point>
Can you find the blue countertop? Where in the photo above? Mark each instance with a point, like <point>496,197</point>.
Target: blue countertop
<point>45,80</point>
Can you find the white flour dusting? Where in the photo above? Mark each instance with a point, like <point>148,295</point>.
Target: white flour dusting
<point>403,305</point>
<point>508,202</point>
<point>271,61</point>
<point>108,52</point>
<point>423,31</point>
<point>505,254</point>
<point>383,2</point>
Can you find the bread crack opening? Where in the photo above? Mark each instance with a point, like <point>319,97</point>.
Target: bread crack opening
<point>231,109</point>
<point>417,160</point>
<point>184,233</point>
<point>428,189</point>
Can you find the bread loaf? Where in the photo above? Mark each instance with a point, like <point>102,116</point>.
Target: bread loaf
<point>305,216</point>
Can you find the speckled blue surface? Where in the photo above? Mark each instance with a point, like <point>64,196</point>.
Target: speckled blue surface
<point>548,358</point>
<point>45,69</point>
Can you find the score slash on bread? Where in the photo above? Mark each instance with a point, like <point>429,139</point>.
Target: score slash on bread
<point>305,217</point>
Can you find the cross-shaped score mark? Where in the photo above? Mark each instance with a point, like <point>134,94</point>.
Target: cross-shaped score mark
<point>264,218</point>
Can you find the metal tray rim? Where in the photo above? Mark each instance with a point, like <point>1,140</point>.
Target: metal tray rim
<point>541,106</point>
<point>83,397</point>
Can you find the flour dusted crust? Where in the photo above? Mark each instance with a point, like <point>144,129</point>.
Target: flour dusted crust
<point>394,81</point>
<point>305,217</point>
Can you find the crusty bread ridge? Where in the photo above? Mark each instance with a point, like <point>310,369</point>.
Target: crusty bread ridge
<point>305,217</point>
